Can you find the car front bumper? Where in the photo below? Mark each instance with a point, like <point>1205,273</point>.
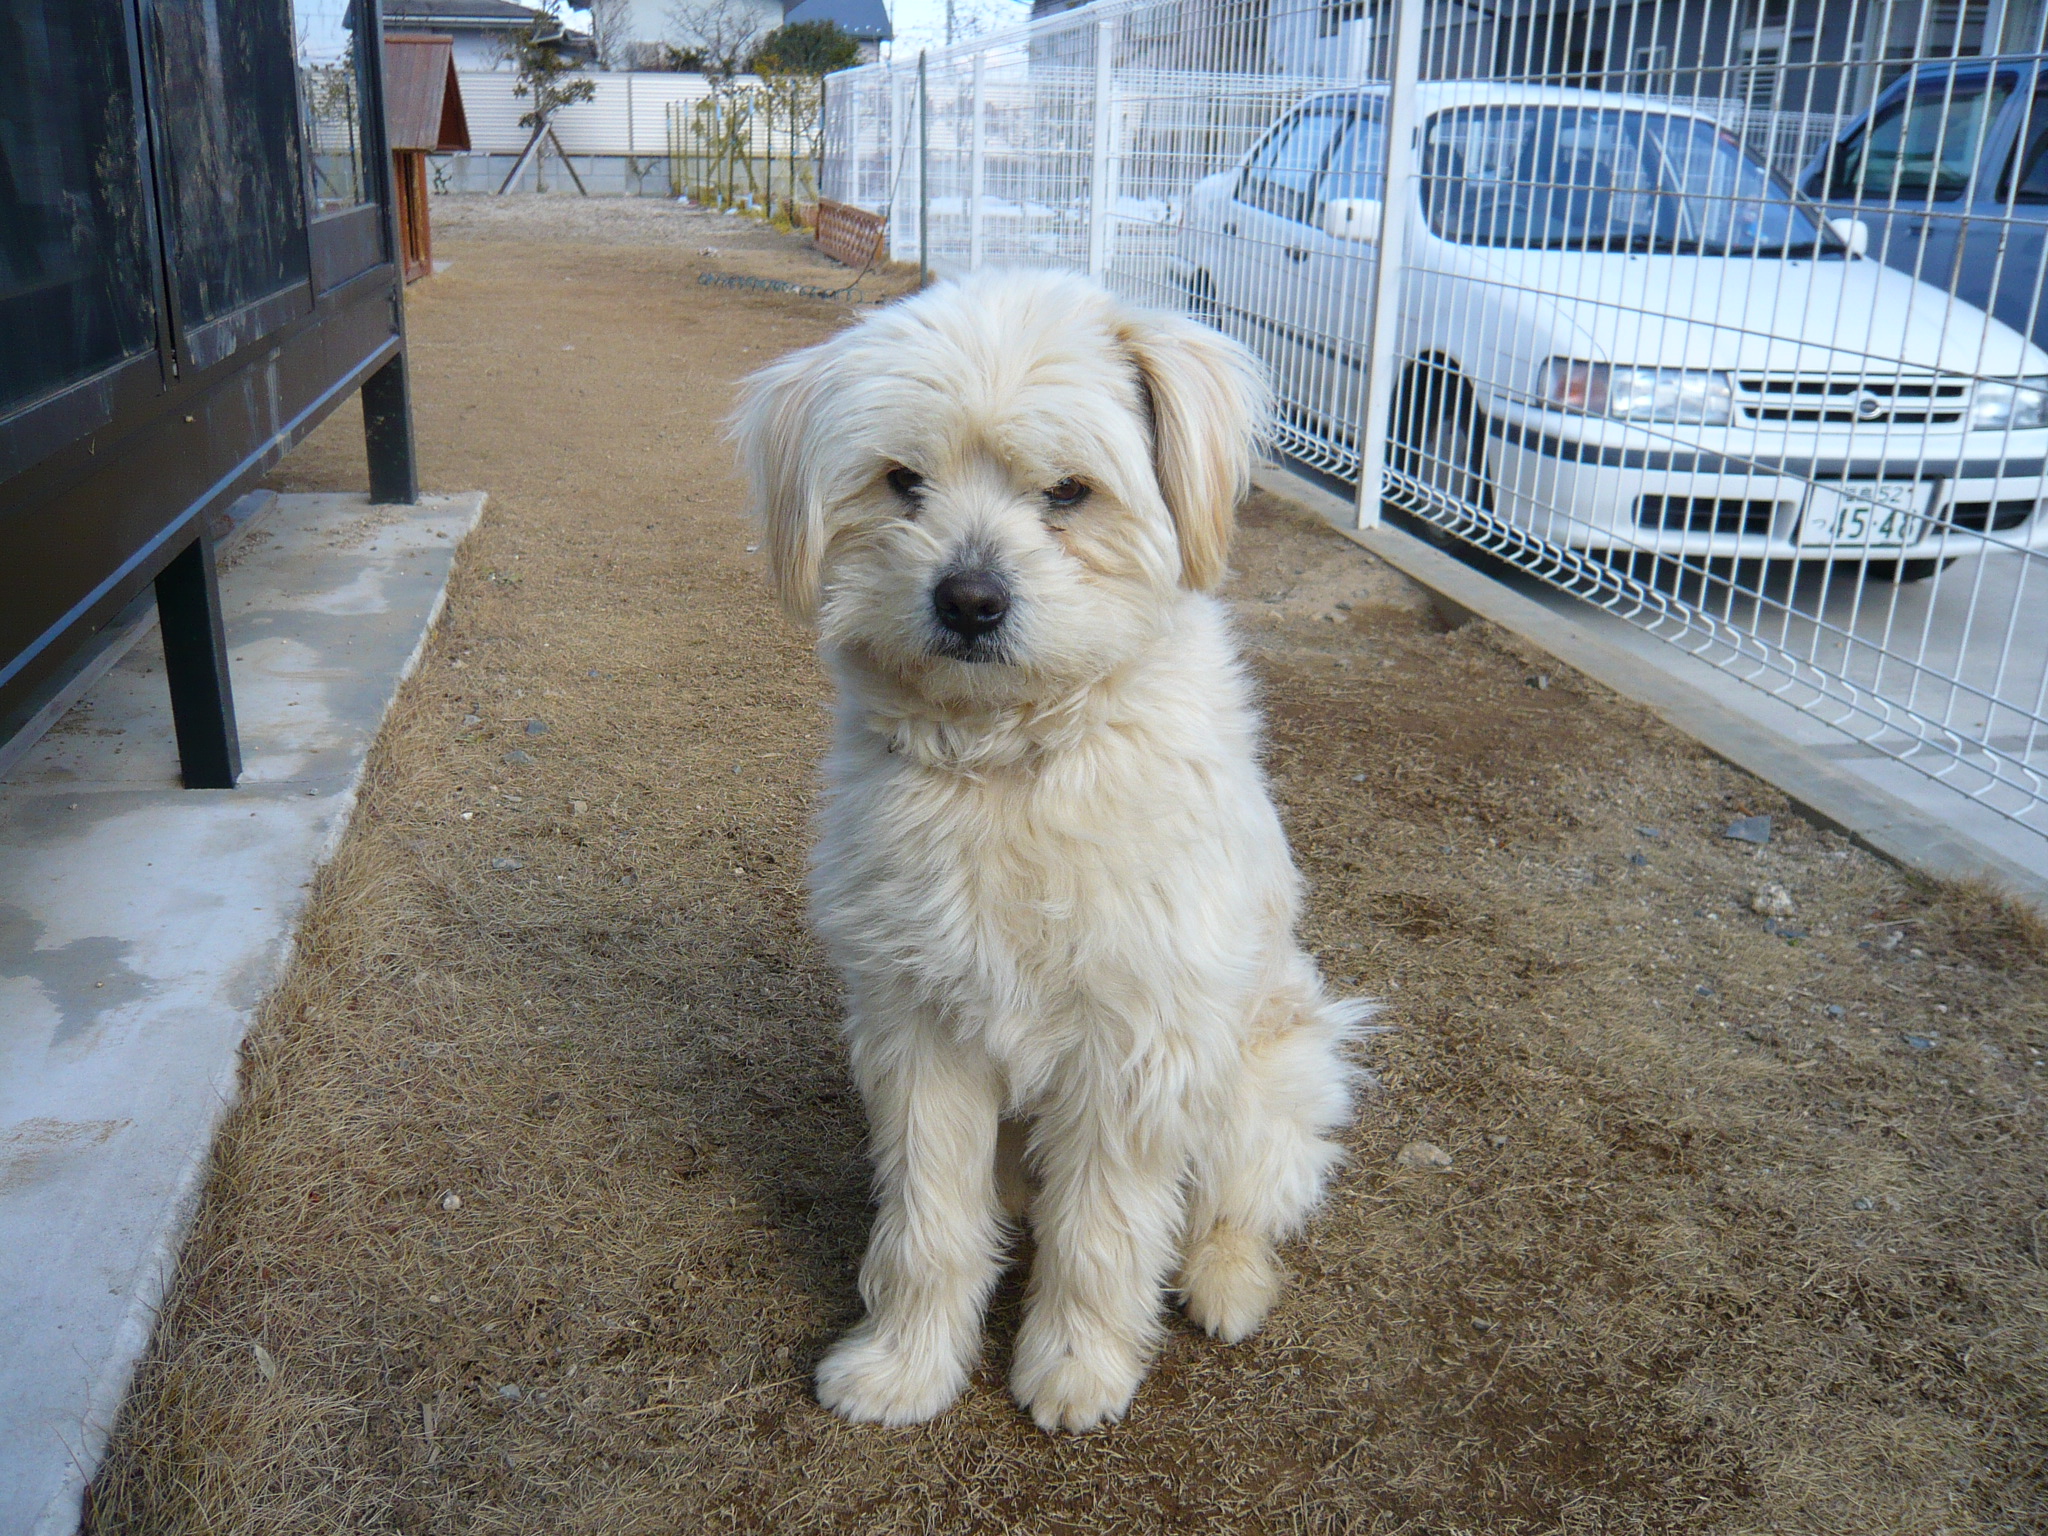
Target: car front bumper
<point>1666,496</point>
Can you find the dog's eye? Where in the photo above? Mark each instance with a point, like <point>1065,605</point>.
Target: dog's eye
<point>905,482</point>
<point>1068,493</point>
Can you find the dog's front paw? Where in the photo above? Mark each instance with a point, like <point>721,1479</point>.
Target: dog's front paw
<point>1072,1384</point>
<point>1229,1282</point>
<point>872,1378</point>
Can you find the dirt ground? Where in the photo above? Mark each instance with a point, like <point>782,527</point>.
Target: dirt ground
<point>1743,1225</point>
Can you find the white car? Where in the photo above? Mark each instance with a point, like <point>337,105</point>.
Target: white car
<point>1620,332</point>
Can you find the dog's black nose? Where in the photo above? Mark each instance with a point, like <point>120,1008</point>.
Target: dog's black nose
<point>971,603</point>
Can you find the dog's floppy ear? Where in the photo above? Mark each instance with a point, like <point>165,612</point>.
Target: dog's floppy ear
<point>774,427</point>
<point>1209,412</point>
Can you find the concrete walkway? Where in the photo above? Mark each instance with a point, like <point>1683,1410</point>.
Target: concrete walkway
<point>141,926</point>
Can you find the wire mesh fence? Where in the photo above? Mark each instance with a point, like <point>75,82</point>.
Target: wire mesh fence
<point>1723,317</point>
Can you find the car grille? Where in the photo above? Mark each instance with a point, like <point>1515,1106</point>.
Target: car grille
<point>1907,399</point>
<point>1705,514</point>
<point>1989,516</point>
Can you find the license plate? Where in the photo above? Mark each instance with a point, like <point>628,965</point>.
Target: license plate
<point>1866,514</point>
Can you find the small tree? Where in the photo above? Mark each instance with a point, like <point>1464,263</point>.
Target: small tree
<point>716,37</point>
<point>805,48</point>
<point>541,57</point>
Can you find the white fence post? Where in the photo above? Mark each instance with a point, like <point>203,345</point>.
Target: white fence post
<point>1397,194</point>
<point>924,173</point>
<point>899,241</point>
<point>977,169</point>
<point>1100,166</point>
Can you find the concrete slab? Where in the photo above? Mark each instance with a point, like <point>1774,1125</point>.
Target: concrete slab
<point>141,926</point>
<point>1889,804</point>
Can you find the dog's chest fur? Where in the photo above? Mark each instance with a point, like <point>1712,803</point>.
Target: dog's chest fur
<point>1115,871</point>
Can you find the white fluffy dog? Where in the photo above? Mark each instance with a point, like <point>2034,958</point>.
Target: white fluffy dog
<point>1049,869</point>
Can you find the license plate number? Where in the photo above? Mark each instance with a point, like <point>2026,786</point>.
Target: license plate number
<point>1866,515</point>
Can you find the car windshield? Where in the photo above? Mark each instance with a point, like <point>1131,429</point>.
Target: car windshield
<point>1606,179</point>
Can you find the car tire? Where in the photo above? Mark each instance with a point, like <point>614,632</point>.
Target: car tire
<point>1200,294</point>
<point>1439,436</point>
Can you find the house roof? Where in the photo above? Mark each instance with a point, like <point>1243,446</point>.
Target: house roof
<point>422,97</point>
<point>464,15</point>
<point>867,20</point>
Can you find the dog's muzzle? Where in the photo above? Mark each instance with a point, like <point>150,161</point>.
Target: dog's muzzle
<point>971,607</point>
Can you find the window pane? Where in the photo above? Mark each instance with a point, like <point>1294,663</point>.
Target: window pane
<point>1728,202</point>
<point>1561,177</point>
<point>2032,183</point>
<point>77,293</point>
<point>235,206</point>
<point>1355,164</point>
<point>1923,145</point>
<point>1290,175</point>
<point>331,96</point>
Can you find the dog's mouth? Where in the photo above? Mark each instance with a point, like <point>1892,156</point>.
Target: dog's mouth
<point>990,649</point>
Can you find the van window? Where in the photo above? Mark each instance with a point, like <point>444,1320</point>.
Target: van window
<point>1356,162</point>
<point>2029,159</point>
<point>1922,146</point>
<point>1599,179</point>
<point>1282,176</point>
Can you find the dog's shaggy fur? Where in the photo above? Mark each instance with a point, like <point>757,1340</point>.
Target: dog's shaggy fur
<point>1049,868</point>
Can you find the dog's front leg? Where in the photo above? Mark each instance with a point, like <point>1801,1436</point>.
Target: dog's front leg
<point>939,1234</point>
<point>1106,1217</point>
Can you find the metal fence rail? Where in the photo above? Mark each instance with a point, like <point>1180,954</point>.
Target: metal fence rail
<point>1723,318</point>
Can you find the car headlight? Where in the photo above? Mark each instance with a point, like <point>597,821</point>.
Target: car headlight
<point>1637,394</point>
<point>2001,407</point>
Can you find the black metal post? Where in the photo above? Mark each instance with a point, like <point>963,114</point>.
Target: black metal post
<point>196,665</point>
<point>387,433</point>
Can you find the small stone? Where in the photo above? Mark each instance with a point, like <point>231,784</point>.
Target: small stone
<point>435,1301</point>
<point>1772,900</point>
<point>1863,1203</point>
<point>505,866</point>
<point>1482,1325</point>
<point>516,759</point>
<point>1921,1042</point>
<point>1639,861</point>
<point>469,720</point>
<point>1749,829</point>
<point>1422,1155</point>
<point>577,807</point>
<point>1358,778</point>
<point>1650,832</point>
<point>1540,680</point>
<point>1496,1142</point>
<point>509,1392</point>
<point>536,727</point>
<point>1837,1011</point>
<point>1703,990</point>
<point>451,1201</point>
<point>466,815</point>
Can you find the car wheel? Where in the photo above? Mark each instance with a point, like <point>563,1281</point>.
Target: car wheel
<point>1439,438</point>
<point>1201,299</point>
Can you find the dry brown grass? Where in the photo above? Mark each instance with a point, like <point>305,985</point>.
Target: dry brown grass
<point>1711,1256</point>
